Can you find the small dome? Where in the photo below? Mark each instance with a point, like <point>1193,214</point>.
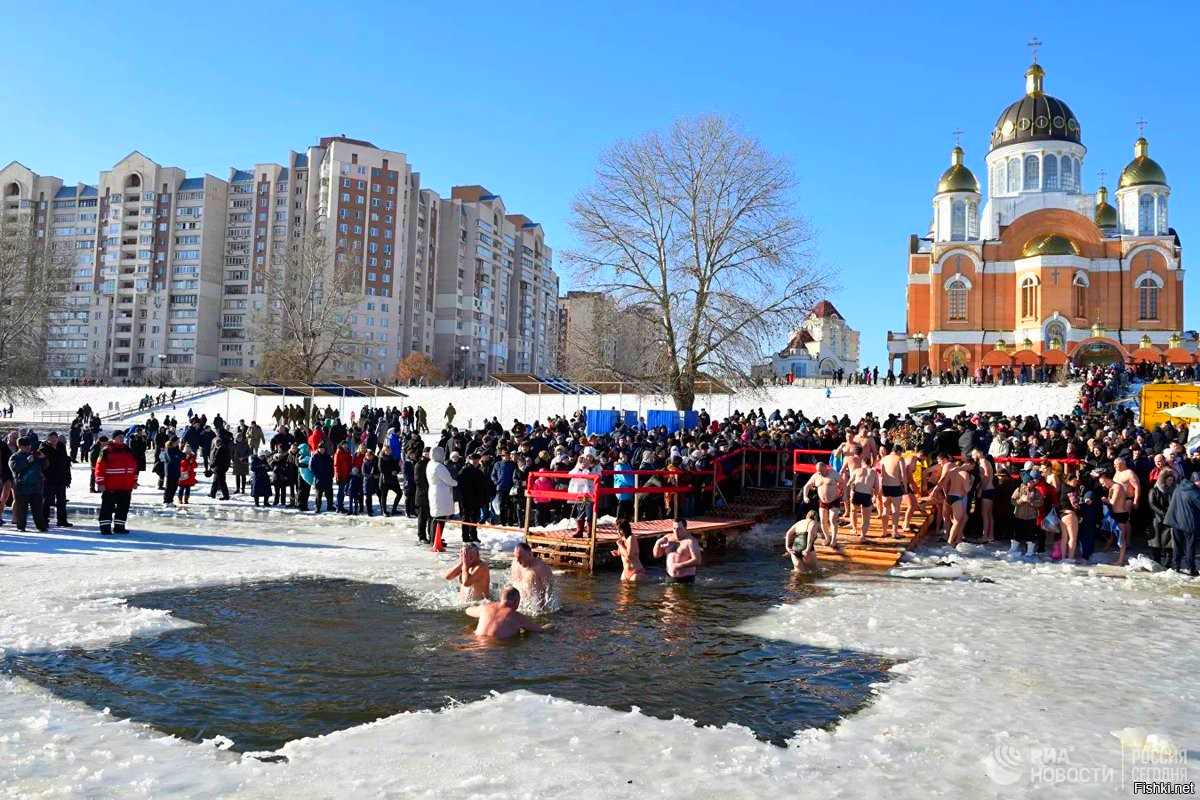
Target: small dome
<point>1049,244</point>
<point>958,178</point>
<point>1035,117</point>
<point>1105,216</point>
<point>1143,169</point>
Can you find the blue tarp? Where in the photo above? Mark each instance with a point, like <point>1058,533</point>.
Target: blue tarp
<point>631,419</point>
<point>691,419</point>
<point>660,418</point>
<point>601,422</point>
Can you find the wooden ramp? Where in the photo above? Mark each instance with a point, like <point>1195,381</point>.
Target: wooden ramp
<point>880,549</point>
<point>560,548</point>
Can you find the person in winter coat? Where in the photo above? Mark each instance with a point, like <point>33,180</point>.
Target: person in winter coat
<point>75,437</point>
<point>1160,538</point>
<point>86,439</point>
<point>116,475</point>
<point>58,478</point>
<point>27,466</point>
<point>370,477</point>
<point>411,473</point>
<point>281,475</point>
<point>1183,516</point>
<point>343,462</point>
<point>441,489</point>
<point>472,494</point>
<point>187,474</point>
<point>260,478</point>
<point>354,490</point>
<point>239,462</point>
<point>305,478</point>
<point>171,461</point>
<point>321,465</point>
<point>93,456</point>
<point>502,476</point>
<point>388,467</point>
<point>219,465</point>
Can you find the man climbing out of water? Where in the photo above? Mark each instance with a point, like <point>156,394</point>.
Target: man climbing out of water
<point>956,483</point>
<point>893,473</point>
<point>532,576</point>
<point>502,620</point>
<point>682,568</point>
<point>1119,502</point>
<point>828,486</point>
<point>987,491</point>
<point>800,543</point>
<point>473,576</point>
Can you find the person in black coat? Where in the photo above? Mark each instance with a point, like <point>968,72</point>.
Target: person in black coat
<point>1183,516</point>
<point>389,481</point>
<point>424,516</point>
<point>321,466</point>
<point>219,465</point>
<point>75,437</point>
<point>473,488</point>
<point>58,478</point>
<point>409,468</point>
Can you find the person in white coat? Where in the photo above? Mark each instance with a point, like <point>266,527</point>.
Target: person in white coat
<point>441,490</point>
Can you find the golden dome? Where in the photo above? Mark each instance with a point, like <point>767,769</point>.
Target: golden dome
<point>1143,169</point>
<point>1105,215</point>
<point>1049,244</point>
<point>958,178</point>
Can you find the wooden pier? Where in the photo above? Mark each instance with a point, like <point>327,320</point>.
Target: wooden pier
<point>880,549</point>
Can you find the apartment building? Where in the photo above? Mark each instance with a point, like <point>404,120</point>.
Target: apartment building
<point>168,270</point>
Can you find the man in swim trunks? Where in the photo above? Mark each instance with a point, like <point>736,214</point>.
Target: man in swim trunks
<point>532,577</point>
<point>502,620</point>
<point>987,491</point>
<point>866,443</point>
<point>863,482</point>
<point>893,475</point>
<point>801,541</point>
<point>828,486</point>
<point>956,483</point>
<point>682,567</point>
<point>473,576</point>
<point>1119,503</point>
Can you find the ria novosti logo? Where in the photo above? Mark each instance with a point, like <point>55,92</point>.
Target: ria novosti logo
<point>1005,765</point>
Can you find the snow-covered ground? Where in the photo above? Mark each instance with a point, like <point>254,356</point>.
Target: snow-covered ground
<point>473,405</point>
<point>1040,659</point>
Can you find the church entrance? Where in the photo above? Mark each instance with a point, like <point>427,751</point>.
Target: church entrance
<point>1097,353</point>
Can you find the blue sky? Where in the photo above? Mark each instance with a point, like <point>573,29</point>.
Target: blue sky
<point>521,98</point>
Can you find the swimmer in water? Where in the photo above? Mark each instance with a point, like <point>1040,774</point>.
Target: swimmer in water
<point>473,576</point>
<point>686,559</point>
<point>532,577</point>
<point>801,541</point>
<point>502,620</point>
<point>628,551</point>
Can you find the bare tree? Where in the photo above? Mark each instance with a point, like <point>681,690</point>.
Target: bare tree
<point>304,329</point>
<point>699,223</point>
<point>33,278</point>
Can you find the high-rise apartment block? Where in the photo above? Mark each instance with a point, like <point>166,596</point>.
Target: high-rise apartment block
<point>168,270</point>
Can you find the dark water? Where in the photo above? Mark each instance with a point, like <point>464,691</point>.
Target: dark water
<point>278,661</point>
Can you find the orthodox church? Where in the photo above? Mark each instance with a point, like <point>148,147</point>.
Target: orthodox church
<point>1039,271</point>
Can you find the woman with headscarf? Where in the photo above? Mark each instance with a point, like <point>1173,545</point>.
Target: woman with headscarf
<point>1160,501</point>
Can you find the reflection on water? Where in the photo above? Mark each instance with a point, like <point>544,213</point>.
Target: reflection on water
<point>276,661</point>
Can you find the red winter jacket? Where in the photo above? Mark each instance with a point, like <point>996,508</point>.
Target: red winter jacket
<point>116,469</point>
<point>187,471</point>
<point>341,465</point>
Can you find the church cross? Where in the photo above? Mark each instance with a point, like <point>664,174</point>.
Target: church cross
<point>1141,123</point>
<point>1101,173</point>
<point>957,136</point>
<point>1054,275</point>
<point>1033,45</point>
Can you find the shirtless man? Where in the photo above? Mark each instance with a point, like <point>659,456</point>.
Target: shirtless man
<point>863,481</point>
<point>912,490</point>
<point>866,441</point>
<point>893,476</point>
<point>937,477</point>
<point>473,576</point>
<point>1125,476</point>
<point>502,620</point>
<point>532,576</point>
<point>800,543</point>
<point>1118,505</point>
<point>682,568</point>
<point>987,492</point>
<point>956,483</point>
<point>828,486</point>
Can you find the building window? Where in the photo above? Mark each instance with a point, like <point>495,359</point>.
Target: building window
<point>1147,298</point>
<point>1145,215</point>
<point>1081,287</point>
<point>972,221</point>
<point>1031,172</point>
<point>1162,215</point>
<point>1068,174</point>
<point>956,289</point>
<point>1029,297</point>
<point>958,222</point>
<point>1014,175</point>
<point>1050,172</point>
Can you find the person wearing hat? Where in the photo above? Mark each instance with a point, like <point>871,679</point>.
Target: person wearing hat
<point>27,466</point>
<point>116,475</point>
<point>58,478</point>
<point>472,495</point>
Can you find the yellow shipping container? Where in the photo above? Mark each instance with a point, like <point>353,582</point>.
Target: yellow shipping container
<point>1157,397</point>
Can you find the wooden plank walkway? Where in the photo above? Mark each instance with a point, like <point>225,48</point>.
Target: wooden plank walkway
<point>879,549</point>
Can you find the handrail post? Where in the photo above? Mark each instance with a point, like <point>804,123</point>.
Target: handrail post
<point>760,460</point>
<point>743,468</point>
<point>637,496</point>
<point>595,516</point>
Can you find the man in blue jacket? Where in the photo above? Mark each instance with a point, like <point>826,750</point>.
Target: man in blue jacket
<point>502,476</point>
<point>623,478</point>
<point>27,465</point>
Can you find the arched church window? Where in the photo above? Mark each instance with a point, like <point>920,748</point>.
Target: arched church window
<point>1162,215</point>
<point>1031,172</point>
<point>956,301</point>
<point>958,221</point>
<point>1068,174</point>
<point>1147,287</point>
<point>973,220</point>
<point>1145,215</point>
<point>1029,296</point>
<point>996,184</point>
<point>1080,284</point>
<point>1079,174</point>
<point>1014,175</point>
<point>1050,172</point>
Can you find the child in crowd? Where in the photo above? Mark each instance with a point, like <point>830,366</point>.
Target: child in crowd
<point>187,475</point>
<point>260,478</point>
<point>355,491</point>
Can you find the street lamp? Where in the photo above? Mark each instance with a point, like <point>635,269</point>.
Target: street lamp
<point>162,369</point>
<point>461,361</point>
<point>919,338</point>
